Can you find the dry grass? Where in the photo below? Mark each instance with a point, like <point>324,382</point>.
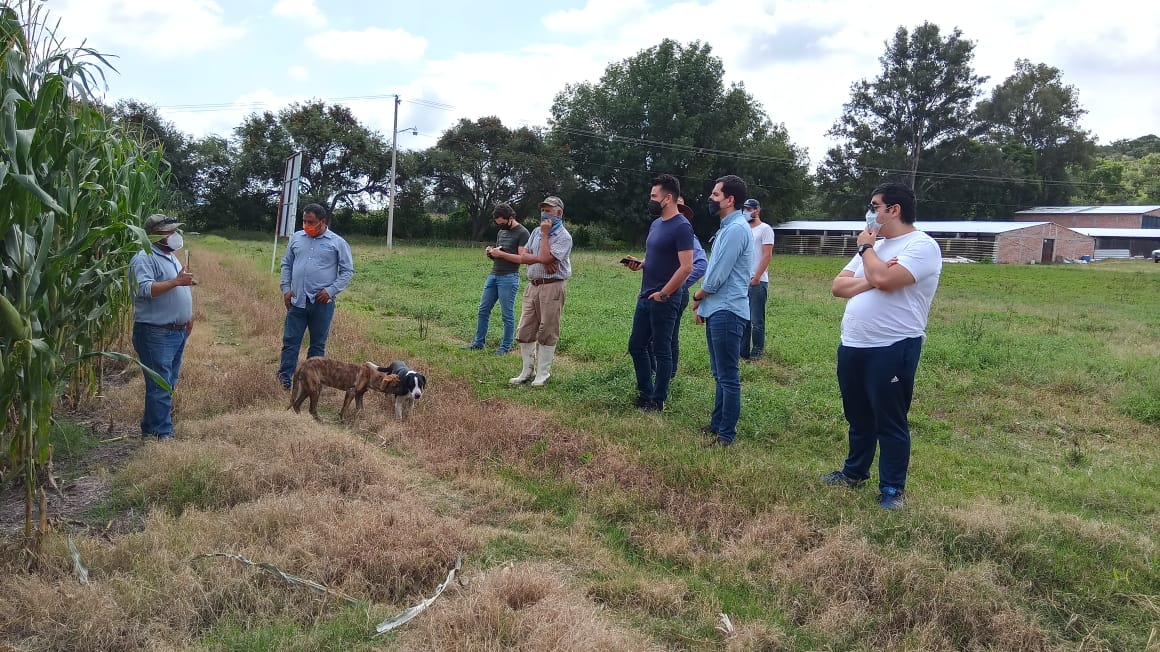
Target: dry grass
<point>857,592</point>
<point>522,607</point>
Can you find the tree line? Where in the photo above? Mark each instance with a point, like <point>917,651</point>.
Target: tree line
<point>927,120</point>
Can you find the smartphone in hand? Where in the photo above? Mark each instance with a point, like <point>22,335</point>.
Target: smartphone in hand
<point>625,261</point>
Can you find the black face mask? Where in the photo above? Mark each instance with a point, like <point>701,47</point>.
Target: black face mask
<point>654,208</point>
<point>506,226</point>
<point>714,207</point>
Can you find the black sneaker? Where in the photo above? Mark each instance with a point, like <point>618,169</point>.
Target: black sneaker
<point>718,442</point>
<point>652,406</point>
<point>840,478</point>
<point>472,347</point>
<point>708,431</point>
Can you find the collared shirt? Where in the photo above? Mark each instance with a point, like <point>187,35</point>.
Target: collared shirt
<point>560,243</point>
<point>172,307</point>
<point>315,264</point>
<point>730,268</point>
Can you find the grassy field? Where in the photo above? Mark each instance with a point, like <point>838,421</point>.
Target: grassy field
<point>1031,522</point>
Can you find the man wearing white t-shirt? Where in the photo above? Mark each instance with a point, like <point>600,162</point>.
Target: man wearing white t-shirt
<point>890,286</point>
<point>753,339</point>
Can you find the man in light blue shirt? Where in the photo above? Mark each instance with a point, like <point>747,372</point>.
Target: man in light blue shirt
<point>317,266</point>
<point>162,319</point>
<point>722,304</point>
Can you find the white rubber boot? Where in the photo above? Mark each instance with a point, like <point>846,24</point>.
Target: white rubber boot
<point>544,365</point>
<point>528,351</point>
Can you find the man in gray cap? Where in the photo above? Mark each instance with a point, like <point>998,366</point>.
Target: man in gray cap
<point>753,339</point>
<point>162,318</point>
<point>548,255</point>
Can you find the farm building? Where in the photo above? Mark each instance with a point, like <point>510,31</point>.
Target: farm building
<point>1001,242</point>
<point>1105,217</point>
<point>1122,243</point>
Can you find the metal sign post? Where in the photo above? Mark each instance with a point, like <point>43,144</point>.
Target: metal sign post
<point>287,203</point>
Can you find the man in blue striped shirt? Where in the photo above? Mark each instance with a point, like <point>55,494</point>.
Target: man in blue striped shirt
<point>317,266</point>
<point>722,304</point>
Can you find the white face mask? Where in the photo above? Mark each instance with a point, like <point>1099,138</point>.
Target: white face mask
<point>175,241</point>
<point>872,220</point>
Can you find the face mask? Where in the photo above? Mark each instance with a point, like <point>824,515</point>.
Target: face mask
<point>174,241</point>
<point>557,221</point>
<point>750,216</point>
<point>313,230</point>
<point>654,208</point>
<point>506,225</point>
<point>872,220</point>
<point>714,207</point>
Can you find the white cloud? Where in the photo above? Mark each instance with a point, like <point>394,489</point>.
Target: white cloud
<point>303,10</point>
<point>222,120</point>
<point>175,28</point>
<point>298,73</point>
<point>595,15</point>
<point>371,45</point>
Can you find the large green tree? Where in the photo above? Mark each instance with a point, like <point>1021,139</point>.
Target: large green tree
<point>908,123</point>
<point>344,161</point>
<point>143,122</point>
<point>1034,109</point>
<point>667,109</point>
<point>482,162</point>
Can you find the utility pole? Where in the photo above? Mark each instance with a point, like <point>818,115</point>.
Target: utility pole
<point>394,153</point>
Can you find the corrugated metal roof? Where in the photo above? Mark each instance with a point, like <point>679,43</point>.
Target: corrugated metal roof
<point>1117,233</point>
<point>856,226</point>
<point>990,228</point>
<point>1090,210</point>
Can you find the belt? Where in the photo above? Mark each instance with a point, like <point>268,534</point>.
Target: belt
<point>543,281</point>
<point>172,327</point>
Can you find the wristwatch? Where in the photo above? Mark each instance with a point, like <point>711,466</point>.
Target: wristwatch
<point>863,247</point>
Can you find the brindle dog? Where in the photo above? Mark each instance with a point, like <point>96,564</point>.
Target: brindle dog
<point>354,379</point>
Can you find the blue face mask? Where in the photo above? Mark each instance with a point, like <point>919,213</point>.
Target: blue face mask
<point>557,221</point>
<point>872,221</point>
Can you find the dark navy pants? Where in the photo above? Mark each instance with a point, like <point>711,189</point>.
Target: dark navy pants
<point>877,386</point>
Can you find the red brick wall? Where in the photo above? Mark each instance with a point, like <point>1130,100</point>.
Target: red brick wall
<point>1026,245</point>
<point>1089,220</point>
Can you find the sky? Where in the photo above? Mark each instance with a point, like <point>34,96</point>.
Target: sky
<point>208,64</point>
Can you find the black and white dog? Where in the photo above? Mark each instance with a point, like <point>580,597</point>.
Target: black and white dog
<point>410,389</point>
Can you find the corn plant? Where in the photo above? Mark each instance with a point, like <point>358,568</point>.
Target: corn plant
<point>73,188</point>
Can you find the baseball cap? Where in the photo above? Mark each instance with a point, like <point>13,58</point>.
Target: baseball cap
<point>158,223</point>
<point>553,201</point>
<point>751,203</point>
<point>685,210</point>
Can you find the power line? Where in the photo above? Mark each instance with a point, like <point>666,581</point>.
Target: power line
<point>677,147</point>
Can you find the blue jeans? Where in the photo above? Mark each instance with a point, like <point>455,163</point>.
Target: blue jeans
<point>160,349</point>
<point>877,386</point>
<point>503,288</point>
<point>723,329</point>
<point>684,297</point>
<point>755,328</point>
<point>652,338</point>
<point>316,318</point>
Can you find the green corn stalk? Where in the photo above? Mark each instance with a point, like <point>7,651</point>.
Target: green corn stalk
<point>73,187</point>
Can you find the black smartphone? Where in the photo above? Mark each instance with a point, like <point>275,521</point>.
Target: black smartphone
<point>625,261</point>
